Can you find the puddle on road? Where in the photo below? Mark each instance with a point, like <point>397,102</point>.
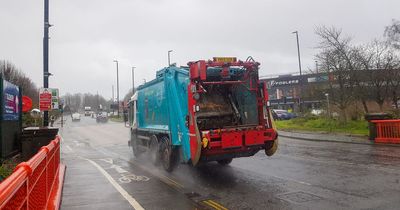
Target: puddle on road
<point>298,197</point>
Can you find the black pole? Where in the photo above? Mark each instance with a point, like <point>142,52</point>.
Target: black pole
<point>117,88</point>
<point>46,56</point>
<point>133,80</point>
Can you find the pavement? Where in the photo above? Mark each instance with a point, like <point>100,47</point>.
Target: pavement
<point>327,137</point>
<point>331,137</point>
<point>103,174</point>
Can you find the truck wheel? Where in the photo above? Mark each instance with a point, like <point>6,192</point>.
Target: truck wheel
<point>168,154</point>
<point>134,145</point>
<point>225,162</point>
<point>154,150</point>
<point>271,147</point>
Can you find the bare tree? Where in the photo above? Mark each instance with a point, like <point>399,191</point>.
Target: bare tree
<point>379,61</point>
<point>9,72</point>
<point>392,33</point>
<point>337,59</point>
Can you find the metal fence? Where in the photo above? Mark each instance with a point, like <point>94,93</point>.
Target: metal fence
<point>37,183</point>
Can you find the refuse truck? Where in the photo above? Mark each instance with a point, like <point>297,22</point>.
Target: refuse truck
<point>213,110</point>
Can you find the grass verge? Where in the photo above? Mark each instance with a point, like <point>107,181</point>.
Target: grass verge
<point>323,125</point>
<point>6,168</point>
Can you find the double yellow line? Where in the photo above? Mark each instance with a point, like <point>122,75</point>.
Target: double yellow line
<point>214,205</point>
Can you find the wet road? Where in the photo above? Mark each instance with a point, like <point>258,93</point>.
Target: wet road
<point>103,174</point>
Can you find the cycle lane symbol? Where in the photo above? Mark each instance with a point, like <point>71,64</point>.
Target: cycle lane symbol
<point>126,176</point>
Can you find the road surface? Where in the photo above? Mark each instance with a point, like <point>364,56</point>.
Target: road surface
<point>103,174</point>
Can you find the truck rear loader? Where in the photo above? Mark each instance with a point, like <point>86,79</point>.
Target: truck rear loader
<point>212,110</point>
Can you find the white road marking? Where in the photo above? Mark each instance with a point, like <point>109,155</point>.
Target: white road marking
<point>119,169</point>
<point>126,176</point>
<point>108,160</point>
<point>121,190</point>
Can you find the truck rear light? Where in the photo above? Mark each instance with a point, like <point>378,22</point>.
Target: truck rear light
<point>268,134</point>
<point>204,142</point>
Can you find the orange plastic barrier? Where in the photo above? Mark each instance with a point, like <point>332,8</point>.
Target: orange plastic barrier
<point>387,131</point>
<point>37,183</point>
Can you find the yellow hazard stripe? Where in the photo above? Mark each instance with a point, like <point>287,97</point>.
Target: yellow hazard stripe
<point>215,205</point>
<point>212,205</point>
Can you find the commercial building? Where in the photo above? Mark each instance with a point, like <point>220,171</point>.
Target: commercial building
<point>289,90</point>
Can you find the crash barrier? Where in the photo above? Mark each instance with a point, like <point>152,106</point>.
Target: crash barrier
<point>387,131</point>
<point>37,183</point>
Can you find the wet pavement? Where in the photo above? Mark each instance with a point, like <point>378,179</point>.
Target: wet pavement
<point>103,174</point>
<point>327,137</point>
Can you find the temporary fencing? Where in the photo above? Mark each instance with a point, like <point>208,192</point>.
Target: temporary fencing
<point>37,183</point>
<point>387,131</point>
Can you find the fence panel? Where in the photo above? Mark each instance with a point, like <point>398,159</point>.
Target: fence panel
<point>37,183</point>
<point>388,131</point>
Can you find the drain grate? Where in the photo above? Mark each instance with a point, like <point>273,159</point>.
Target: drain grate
<point>299,197</point>
<point>192,194</point>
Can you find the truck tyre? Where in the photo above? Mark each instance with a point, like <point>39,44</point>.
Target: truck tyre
<point>134,145</point>
<point>168,154</point>
<point>271,147</point>
<point>225,162</point>
<point>154,150</point>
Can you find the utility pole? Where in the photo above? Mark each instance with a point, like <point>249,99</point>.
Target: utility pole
<point>169,57</point>
<point>97,100</point>
<point>112,94</point>
<point>46,73</point>
<point>116,61</point>
<point>133,80</point>
<point>316,66</point>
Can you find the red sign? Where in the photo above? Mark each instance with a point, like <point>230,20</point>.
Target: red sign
<point>44,100</point>
<point>26,104</point>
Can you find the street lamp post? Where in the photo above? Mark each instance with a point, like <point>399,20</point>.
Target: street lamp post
<point>46,73</point>
<point>133,80</point>
<point>298,56</point>
<point>327,105</point>
<point>169,57</point>
<point>116,61</point>
<point>298,49</point>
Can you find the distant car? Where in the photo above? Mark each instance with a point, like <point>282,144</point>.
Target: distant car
<point>281,114</point>
<point>102,117</point>
<point>76,116</point>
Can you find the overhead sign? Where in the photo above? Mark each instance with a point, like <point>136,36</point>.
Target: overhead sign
<point>11,101</point>
<point>45,99</point>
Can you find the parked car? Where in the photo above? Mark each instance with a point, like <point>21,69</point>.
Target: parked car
<point>281,114</point>
<point>76,116</point>
<point>102,117</point>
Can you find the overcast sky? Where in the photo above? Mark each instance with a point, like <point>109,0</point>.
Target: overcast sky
<point>89,34</point>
